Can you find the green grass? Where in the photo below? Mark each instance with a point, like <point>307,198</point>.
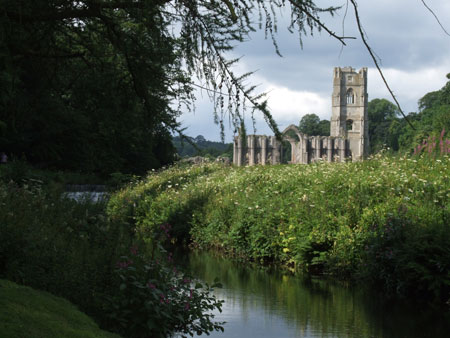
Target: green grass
<point>28,313</point>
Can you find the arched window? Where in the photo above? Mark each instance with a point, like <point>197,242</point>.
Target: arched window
<point>350,96</point>
<point>349,125</point>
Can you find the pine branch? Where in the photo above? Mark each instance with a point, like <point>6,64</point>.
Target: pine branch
<point>319,23</point>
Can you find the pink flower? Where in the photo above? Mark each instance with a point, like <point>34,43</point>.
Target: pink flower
<point>151,285</point>
<point>187,306</point>
<point>123,265</point>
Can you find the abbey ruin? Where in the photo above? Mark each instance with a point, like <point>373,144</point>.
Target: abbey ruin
<point>349,136</point>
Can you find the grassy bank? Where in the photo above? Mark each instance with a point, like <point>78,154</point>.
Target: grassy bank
<point>385,221</point>
<point>30,313</point>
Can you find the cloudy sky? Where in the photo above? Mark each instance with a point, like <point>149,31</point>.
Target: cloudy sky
<point>413,48</point>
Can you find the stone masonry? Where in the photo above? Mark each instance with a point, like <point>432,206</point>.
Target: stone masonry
<point>349,137</point>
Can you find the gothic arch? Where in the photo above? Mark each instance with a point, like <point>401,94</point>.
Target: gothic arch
<point>349,125</point>
<point>294,128</point>
<point>350,96</point>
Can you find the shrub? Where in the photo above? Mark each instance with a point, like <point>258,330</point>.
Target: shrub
<point>154,299</point>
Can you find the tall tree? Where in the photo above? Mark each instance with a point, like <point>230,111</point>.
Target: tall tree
<point>71,68</point>
<point>433,118</point>
<point>87,87</point>
<point>311,124</point>
<point>381,114</point>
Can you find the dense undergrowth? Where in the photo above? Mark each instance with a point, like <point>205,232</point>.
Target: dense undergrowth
<point>74,250</point>
<point>385,221</point>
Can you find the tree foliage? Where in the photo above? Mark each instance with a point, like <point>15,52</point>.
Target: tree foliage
<point>381,114</point>
<point>97,85</point>
<point>386,129</point>
<point>199,146</point>
<point>87,86</point>
<point>311,124</point>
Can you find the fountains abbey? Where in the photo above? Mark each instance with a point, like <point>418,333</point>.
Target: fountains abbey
<point>349,136</point>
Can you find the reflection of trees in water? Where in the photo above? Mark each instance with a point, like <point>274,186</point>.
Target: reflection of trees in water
<point>308,303</point>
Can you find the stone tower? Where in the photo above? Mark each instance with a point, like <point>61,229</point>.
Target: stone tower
<point>349,118</point>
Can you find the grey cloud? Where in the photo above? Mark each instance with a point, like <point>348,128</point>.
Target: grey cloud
<point>403,34</point>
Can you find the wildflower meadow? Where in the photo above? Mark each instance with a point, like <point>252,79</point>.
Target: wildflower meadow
<point>384,221</point>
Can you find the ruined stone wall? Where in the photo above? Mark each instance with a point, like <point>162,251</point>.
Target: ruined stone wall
<point>348,129</point>
<point>261,149</point>
<point>314,148</point>
<point>257,149</point>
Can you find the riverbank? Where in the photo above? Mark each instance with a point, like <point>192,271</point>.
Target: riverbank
<point>73,249</point>
<point>30,313</point>
<point>384,221</point>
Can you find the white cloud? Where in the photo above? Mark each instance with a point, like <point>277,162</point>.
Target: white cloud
<point>290,105</point>
<point>408,86</point>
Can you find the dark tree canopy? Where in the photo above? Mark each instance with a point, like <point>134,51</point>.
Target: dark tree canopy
<point>85,87</point>
<point>97,85</point>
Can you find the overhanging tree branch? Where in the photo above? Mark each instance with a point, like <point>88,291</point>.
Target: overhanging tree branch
<point>435,16</point>
<point>319,23</point>
<point>363,37</point>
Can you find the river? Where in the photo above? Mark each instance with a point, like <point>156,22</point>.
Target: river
<point>262,303</point>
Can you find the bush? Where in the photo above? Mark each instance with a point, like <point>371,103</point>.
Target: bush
<point>58,245</point>
<point>154,299</point>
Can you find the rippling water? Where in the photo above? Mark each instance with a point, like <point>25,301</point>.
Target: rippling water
<point>93,196</point>
<point>262,303</point>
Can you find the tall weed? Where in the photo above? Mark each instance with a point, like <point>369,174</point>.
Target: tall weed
<point>342,219</point>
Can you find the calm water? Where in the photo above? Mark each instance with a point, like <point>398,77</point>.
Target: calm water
<point>260,303</point>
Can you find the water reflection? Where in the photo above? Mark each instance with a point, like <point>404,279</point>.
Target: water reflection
<point>261,303</point>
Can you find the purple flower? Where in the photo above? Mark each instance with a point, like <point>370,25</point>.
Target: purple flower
<point>151,285</point>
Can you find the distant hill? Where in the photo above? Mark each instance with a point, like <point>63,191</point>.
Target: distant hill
<point>205,147</point>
